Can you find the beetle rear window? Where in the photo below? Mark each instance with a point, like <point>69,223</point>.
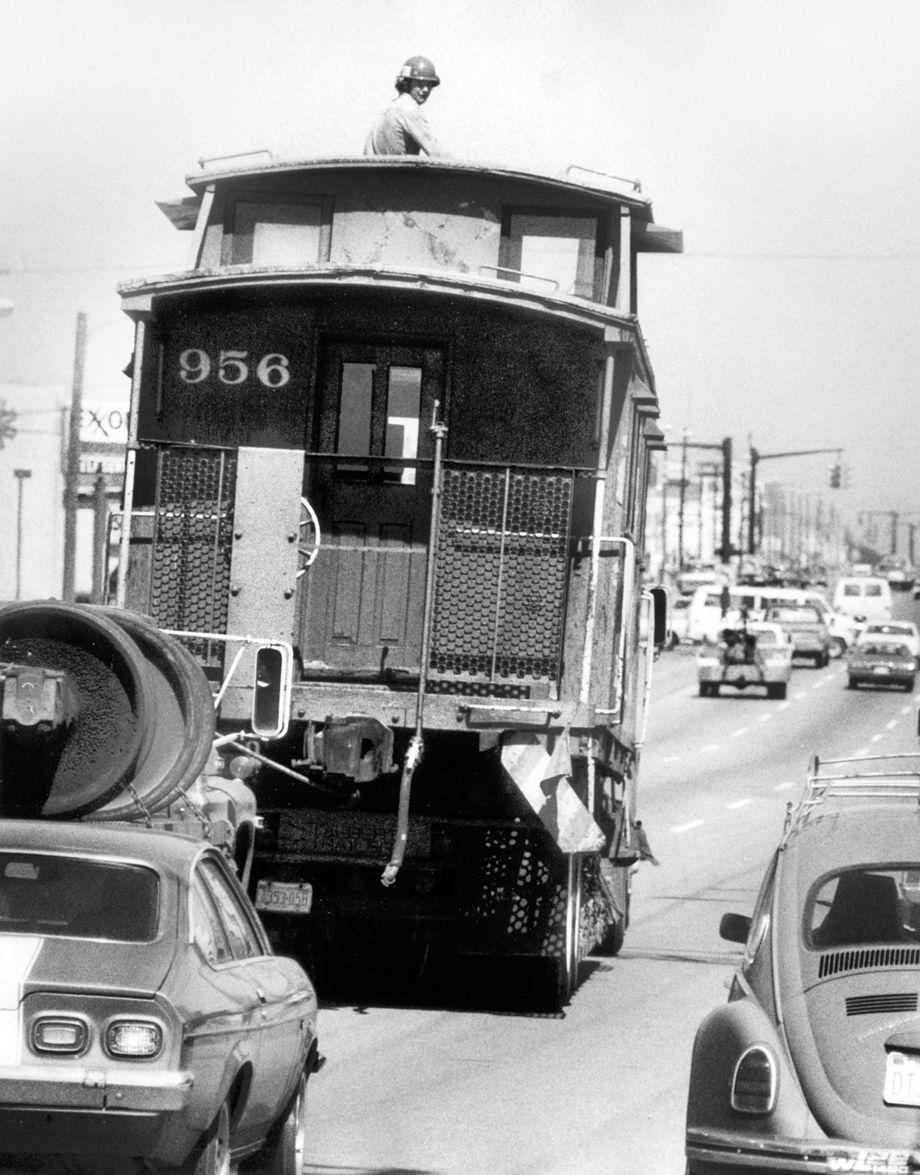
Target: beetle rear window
<point>862,906</point>
<point>75,897</point>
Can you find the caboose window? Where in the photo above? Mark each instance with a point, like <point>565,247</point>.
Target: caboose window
<point>404,394</point>
<point>562,249</point>
<point>279,232</point>
<point>356,395</point>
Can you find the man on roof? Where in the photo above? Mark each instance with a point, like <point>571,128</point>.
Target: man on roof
<point>402,129</point>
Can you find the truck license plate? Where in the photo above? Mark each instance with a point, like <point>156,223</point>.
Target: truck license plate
<point>902,1079</point>
<point>284,897</point>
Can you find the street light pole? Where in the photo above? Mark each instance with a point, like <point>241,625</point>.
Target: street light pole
<point>20,475</point>
<point>72,468</point>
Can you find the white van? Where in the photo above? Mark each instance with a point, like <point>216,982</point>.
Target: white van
<point>706,617</point>
<point>868,596</point>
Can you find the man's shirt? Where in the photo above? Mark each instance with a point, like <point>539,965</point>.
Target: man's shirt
<point>402,129</point>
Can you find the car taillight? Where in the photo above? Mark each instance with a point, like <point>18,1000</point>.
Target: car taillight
<point>754,1082</point>
<point>59,1034</point>
<point>133,1038</point>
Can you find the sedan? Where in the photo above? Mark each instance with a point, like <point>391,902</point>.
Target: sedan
<point>899,630</point>
<point>881,662</point>
<point>146,1022</point>
<point>813,1064</point>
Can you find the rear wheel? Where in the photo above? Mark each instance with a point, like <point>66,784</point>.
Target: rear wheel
<point>838,647</point>
<point>214,1156</point>
<point>284,1148</point>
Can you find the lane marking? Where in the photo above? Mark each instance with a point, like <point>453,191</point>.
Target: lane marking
<point>739,733</point>
<point>891,724</point>
<point>733,807</point>
<point>686,827</point>
<point>785,786</point>
<point>710,747</point>
<point>765,717</point>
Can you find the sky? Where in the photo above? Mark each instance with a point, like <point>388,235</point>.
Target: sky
<point>781,136</point>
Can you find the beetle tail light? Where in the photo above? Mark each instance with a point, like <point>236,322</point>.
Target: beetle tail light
<point>133,1038</point>
<point>754,1082</point>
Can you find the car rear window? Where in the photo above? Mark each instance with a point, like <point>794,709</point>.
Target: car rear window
<point>885,649</point>
<point>865,905</point>
<point>77,897</point>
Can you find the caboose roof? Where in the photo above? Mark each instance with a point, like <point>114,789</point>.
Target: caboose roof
<point>604,190</point>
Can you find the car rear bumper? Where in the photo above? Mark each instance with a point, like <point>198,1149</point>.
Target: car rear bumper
<point>50,1110</point>
<point>721,1151</point>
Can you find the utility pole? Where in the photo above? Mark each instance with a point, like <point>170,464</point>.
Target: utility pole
<point>682,499</point>
<point>725,448</point>
<point>20,475</point>
<point>72,466</point>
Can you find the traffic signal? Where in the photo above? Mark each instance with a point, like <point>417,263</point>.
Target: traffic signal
<point>835,477</point>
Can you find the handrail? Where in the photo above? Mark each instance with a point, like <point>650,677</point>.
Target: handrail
<point>536,277</point>
<point>636,185</point>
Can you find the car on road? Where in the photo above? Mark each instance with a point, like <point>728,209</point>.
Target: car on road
<point>680,616</point>
<point>881,661</point>
<point>754,654</point>
<point>144,1018</point>
<point>805,627</point>
<point>813,1063</point>
<point>901,630</point>
<point>867,597</point>
<point>897,571</point>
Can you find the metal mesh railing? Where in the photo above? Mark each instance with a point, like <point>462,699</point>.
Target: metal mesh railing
<point>192,535</point>
<point>501,574</point>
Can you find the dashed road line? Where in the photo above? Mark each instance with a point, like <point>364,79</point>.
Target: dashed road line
<point>740,733</point>
<point>765,717</point>
<point>785,786</point>
<point>733,807</point>
<point>678,828</point>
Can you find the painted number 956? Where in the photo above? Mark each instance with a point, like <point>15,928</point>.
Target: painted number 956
<point>233,367</point>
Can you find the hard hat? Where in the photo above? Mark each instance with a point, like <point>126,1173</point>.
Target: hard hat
<point>419,69</point>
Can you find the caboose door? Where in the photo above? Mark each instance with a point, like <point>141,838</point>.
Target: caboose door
<point>369,482</point>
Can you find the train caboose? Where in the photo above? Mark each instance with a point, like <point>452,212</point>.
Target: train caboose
<point>386,479</point>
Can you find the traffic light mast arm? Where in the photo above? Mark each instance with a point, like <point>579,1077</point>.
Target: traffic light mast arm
<point>756,458</point>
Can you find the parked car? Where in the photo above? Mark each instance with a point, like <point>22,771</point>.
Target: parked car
<point>813,1064</point>
<point>900,630</point>
<point>881,661</point>
<point>755,654</point>
<point>805,627</point>
<point>145,1015</point>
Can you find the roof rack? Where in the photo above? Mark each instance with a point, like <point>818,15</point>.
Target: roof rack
<point>866,777</point>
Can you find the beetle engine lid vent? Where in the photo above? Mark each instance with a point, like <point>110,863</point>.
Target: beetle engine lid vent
<point>889,1001</point>
<point>866,958</point>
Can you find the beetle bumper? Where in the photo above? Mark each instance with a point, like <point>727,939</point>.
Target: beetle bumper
<point>716,1152</point>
